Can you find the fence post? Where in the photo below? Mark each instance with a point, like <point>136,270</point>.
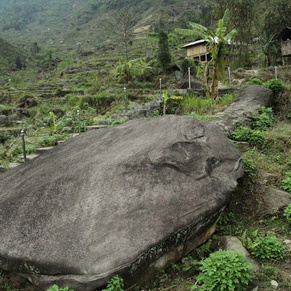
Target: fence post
<point>22,134</point>
<point>160,87</point>
<point>125,99</point>
<point>189,77</point>
<point>276,72</point>
<point>79,121</point>
<point>229,76</point>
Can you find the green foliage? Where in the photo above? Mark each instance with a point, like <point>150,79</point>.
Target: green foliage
<point>255,81</point>
<point>287,213</point>
<point>53,120</point>
<point>6,287</point>
<point>276,85</point>
<point>217,41</point>
<point>263,119</point>
<point>253,137</point>
<point>197,104</point>
<point>224,270</point>
<point>57,288</point>
<point>118,121</point>
<point>187,63</point>
<point>226,99</point>
<point>115,284</point>
<point>6,109</point>
<point>267,248</point>
<point>286,183</point>
<point>164,55</point>
<point>249,168</point>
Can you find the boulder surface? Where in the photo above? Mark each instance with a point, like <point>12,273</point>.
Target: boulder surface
<point>119,200</point>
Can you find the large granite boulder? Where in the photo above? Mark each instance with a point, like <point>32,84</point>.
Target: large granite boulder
<point>240,112</point>
<point>121,200</point>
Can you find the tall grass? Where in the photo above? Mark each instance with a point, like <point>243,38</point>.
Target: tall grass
<point>202,106</point>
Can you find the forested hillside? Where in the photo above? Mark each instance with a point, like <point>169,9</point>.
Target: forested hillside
<point>93,24</point>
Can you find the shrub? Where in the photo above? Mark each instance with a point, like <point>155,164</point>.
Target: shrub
<point>276,85</point>
<point>264,119</point>
<point>267,248</point>
<point>57,288</point>
<point>249,168</point>
<point>115,284</point>
<point>255,81</point>
<point>286,183</point>
<point>225,270</point>
<point>287,213</point>
<point>254,137</point>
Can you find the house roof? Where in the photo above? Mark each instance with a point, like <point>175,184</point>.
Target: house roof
<point>195,43</point>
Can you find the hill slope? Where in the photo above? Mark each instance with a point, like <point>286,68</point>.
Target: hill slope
<point>64,23</point>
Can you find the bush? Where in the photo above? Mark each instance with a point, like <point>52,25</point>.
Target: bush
<point>255,81</point>
<point>254,137</point>
<point>267,248</point>
<point>286,183</point>
<point>249,168</point>
<point>276,85</point>
<point>57,288</point>
<point>224,270</point>
<point>264,119</point>
<point>115,284</point>
<point>287,213</point>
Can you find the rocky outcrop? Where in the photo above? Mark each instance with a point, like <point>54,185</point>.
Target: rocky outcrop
<point>119,200</point>
<point>239,113</point>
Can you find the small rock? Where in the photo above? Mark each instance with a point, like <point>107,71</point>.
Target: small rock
<point>287,244</point>
<point>274,284</point>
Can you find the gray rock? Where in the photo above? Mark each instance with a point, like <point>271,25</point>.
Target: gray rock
<point>273,200</point>
<point>121,200</point>
<point>3,120</point>
<point>241,110</point>
<point>233,243</point>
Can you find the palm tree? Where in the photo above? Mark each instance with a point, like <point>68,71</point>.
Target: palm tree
<point>217,42</point>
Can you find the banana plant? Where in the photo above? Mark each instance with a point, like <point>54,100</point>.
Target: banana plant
<point>217,42</point>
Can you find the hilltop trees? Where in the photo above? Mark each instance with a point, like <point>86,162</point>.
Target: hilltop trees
<point>242,16</point>
<point>164,55</point>
<point>217,42</point>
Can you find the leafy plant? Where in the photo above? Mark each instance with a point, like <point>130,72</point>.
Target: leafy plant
<point>254,137</point>
<point>263,120</point>
<point>276,85</point>
<point>287,213</point>
<point>249,167</point>
<point>53,119</point>
<point>286,183</point>
<point>115,284</point>
<point>6,287</point>
<point>57,288</point>
<point>255,81</point>
<point>267,248</point>
<point>165,100</point>
<point>224,270</point>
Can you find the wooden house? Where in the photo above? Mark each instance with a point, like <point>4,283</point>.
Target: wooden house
<point>198,50</point>
<point>285,37</point>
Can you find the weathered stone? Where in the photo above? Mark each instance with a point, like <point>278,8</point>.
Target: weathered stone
<point>119,200</point>
<point>241,110</point>
<point>274,200</point>
<point>233,243</point>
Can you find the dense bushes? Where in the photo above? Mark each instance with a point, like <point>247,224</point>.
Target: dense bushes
<point>224,270</point>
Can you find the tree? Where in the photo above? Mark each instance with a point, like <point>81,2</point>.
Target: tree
<point>217,42</point>
<point>121,22</point>
<point>275,18</point>
<point>164,55</point>
<point>242,16</point>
